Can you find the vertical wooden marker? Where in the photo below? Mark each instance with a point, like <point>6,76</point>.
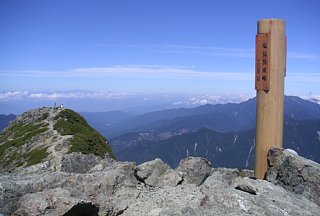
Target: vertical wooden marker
<point>269,82</point>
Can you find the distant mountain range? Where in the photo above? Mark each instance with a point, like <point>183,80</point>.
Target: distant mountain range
<point>222,133</point>
<point>230,149</point>
<point>220,117</point>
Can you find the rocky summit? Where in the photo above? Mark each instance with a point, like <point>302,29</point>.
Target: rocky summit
<point>44,137</point>
<point>78,176</point>
<point>154,189</point>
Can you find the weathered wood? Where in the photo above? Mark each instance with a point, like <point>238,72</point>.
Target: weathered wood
<point>269,129</point>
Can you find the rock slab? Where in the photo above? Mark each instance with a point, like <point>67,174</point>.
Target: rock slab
<point>157,174</point>
<point>195,170</point>
<point>78,163</point>
<point>294,173</point>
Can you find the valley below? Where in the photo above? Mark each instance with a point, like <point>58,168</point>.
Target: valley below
<point>222,133</point>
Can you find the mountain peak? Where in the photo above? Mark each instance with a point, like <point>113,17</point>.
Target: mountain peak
<point>43,136</point>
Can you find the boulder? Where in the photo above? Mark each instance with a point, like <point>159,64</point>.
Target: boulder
<point>56,201</point>
<point>246,196</point>
<point>157,174</point>
<point>194,170</point>
<point>294,173</point>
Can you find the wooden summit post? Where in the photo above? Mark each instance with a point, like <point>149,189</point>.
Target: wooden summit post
<point>269,82</point>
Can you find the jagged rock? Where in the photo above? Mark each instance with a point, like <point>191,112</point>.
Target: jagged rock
<point>246,173</point>
<point>78,163</point>
<point>157,174</point>
<point>221,177</point>
<point>103,164</point>
<point>195,170</point>
<point>20,191</point>
<point>116,189</point>
<point>294,173</point>
<point>222,199</point>
<point>247,188</point>
<point>56,201</point>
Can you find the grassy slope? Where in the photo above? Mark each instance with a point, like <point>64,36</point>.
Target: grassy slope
<point>86,139</point>
<point>15,137</point>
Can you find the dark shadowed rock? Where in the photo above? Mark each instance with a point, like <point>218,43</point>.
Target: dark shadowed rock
<point>246,188</point>
<point>294,173</point>
<point>83,209</point>
<point>195,170</point>
<point>78,162</point>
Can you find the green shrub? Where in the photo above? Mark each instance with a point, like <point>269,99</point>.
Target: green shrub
<point>86,140</point>
<point>21,134</point>
<point>44,116</point>
<point>36,156</point>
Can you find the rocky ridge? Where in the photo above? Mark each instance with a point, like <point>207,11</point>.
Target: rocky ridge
<point>43,137</point>
<point>195,188</point>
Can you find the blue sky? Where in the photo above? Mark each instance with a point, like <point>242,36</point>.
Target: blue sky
<point>172,46</point>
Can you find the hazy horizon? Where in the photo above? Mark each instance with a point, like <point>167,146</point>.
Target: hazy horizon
<point>16,102</point>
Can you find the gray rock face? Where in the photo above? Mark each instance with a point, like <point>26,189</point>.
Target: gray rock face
<point>195,170</point>
<point>55,193</point>
<point>157,174</point>
<point>32,116</point>
<point>267,200</point>
<point>294,173</point>
<point>151,189</point>
<point>78,163</point>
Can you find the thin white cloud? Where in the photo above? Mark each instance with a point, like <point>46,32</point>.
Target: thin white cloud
<point>34,73</point>
<point>157,72</point>
<point>136,71</point>
<point>297,55</point>
<point>303,77</point>
<point>13,95</point>
<point>197,100</point>
<point>160,72</point>
<point>212,51</point>
<point>209,50</point>
<point>233,52</point>
<point>80,94</point>
<point>176,99</point>
<point>214,99</point>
